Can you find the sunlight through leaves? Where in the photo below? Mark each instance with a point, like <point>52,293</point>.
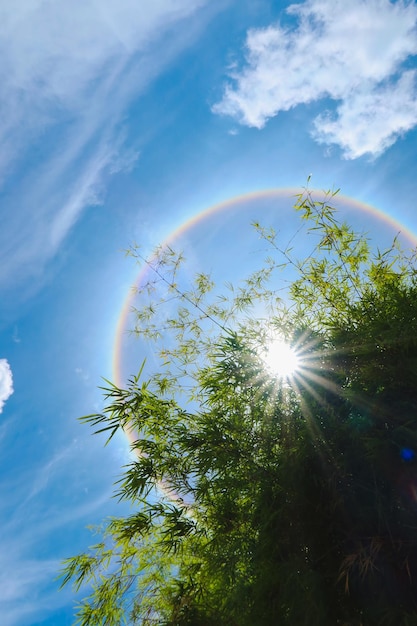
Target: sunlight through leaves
<point>281,359</point>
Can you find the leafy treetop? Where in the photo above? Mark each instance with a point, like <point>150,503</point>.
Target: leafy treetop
<point>259,500</point>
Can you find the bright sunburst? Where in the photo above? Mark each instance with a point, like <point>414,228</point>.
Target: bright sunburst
<point>281,359</point>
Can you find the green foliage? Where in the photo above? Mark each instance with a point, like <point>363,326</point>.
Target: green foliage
<point>260,500</point>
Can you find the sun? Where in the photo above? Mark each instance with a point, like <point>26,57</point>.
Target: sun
<point>281,359</point>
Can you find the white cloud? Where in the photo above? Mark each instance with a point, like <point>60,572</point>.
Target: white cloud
<point>6,382</point>
<point>68,73</point>
<point>370,121</point>
<point>351,52</point>
<point>82,374</point>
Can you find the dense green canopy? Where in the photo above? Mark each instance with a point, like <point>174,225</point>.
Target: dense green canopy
<point>259,499</point>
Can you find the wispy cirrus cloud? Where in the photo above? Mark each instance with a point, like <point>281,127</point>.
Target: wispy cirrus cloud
<point>29,580</point>
<point>25,593</point>
<point>58,57</point>
<point>351,52</point>
<point>6,382</point>
<point>68,73</point>
<point>38,530</point>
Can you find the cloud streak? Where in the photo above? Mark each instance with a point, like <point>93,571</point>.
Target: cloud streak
<point>38,530</point>
<point>56,56</point>
<point>28,579</point>
<point>353,53</point>
<point>6,382</point>
<point>68,74</point>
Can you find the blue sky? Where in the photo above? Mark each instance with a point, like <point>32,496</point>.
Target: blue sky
<point>119,121</point>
